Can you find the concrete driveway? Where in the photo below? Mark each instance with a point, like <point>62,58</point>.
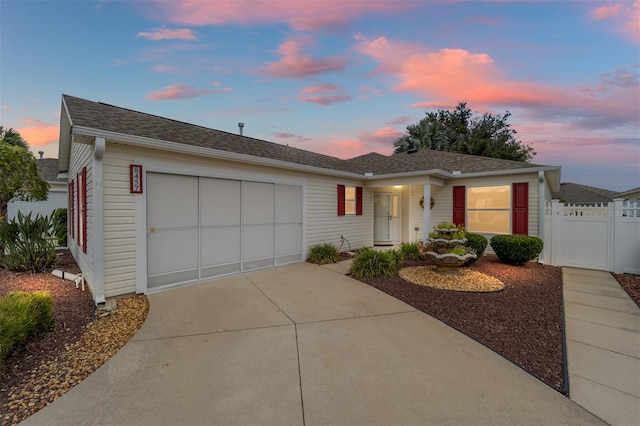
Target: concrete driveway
<point>303,345</point>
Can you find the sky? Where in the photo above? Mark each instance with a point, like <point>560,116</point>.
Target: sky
<point>339,77</point>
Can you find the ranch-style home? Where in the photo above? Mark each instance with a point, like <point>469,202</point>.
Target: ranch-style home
<point>156,203</point>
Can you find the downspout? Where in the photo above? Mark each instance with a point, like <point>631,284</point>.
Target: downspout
<point>98,222</point>
<point>541,211</point>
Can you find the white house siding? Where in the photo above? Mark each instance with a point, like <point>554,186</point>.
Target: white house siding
<point>322,222</point>
<point>443,198</point>
<point>81,156</point>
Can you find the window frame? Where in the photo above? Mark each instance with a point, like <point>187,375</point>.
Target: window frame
<point>508,209</point>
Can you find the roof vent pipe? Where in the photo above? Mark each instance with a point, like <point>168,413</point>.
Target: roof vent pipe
<point>41,154</point>
<point>240,126</point>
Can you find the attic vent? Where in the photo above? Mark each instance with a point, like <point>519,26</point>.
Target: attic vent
<point>412,150</point>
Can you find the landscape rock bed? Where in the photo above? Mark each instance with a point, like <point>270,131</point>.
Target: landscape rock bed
<point>461,280</point>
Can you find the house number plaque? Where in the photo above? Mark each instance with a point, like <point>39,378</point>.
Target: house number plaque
<point>135,179</point>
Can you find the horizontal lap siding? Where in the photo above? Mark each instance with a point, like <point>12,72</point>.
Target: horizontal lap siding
<point>119,223</point>
<point>82,156</point>
<point>323,223</point>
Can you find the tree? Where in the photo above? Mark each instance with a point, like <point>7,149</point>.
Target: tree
<point>19,177</point>
<point>459,131</point>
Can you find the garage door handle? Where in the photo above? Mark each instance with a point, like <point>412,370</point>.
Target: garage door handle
<point>152,230</point>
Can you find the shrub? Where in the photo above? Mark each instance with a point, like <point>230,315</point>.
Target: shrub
<point>478,243</point>
<point>22,316</point>
<point>59,219</point>
<point>516,249</point>
<point>410,251</point>
<point>29,244</point>
<point>323,254</point>
<point>371,263</point>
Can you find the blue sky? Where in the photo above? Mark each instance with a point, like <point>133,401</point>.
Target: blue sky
<point>339,77</point>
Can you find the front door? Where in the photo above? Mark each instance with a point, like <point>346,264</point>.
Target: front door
<point>386,218</point>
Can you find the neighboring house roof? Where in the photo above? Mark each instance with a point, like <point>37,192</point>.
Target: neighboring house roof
<point>48,168</point>
<point>630,194</point>
<point>88,118</point>
<point>576,193</point>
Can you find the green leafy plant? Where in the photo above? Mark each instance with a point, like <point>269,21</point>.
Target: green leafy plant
<point>29,244</point>
<point>22,316</point>
<point>323,254</point>
<point>478,243</point>
<point>410,251</point>
<point>59,218</point>
<point>516,249</point>
<point>459,250</point>
<point>371,263</point>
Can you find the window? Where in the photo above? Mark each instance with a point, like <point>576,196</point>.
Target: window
<point>395,205</point>
<point>500,209</point>
<point>349,200</point>
<point>72,209</point>
<point>489,209</point>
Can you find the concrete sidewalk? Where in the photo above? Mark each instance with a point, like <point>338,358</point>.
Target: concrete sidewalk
<point>603,346</point>
<point>304,345</point>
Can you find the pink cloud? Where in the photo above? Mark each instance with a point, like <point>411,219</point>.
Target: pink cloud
<point>38,133</point>
<point>623,17</point>
<point>324,94</point>
<point>181,91</point>
<point>293,63</point>
<point>607,12</point>
<point>300,15</point>
<point>291,136</point>
<point>168,34</point>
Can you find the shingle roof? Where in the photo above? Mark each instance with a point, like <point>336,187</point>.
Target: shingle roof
<point>427,159</point>
<point>49,169</point>
<point>100,116</point>
<point>576,193</point>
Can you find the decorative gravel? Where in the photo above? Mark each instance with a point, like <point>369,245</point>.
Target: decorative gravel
<point>462,280</point>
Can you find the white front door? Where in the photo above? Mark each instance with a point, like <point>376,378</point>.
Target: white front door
<point>386,218</point>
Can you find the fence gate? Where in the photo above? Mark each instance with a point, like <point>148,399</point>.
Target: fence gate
<point>605,236</point>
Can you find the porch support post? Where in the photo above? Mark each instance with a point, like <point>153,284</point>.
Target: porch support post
<point>426,215</point>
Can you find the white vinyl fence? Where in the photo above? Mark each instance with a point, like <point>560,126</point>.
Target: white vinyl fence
<point>605,236</point>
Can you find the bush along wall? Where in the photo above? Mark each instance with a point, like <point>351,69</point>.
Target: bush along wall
<point>516,249</point>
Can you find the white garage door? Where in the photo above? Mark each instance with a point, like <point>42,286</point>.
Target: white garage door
<point>198,228</point>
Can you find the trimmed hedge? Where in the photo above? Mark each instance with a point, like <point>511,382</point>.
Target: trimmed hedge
<point>478,243</point>
<point>516,249</point>
<point>22,316</point>
<point>370,263</point>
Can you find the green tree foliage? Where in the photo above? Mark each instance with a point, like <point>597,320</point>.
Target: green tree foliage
<point>460,131</point>
<point>18,172</point>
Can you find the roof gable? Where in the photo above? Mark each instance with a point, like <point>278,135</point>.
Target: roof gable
<point>576,193</point>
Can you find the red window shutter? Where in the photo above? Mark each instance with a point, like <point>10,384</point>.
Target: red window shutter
<point>84,209</point>
<point>341,203</point>
<point>358,201</point>
<point>520,208</point>
<point>72,209</point>
<point>78,206</point>
<point>459,204</point>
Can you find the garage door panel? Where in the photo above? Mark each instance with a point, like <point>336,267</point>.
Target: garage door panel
<point>288,238</point>
<point>173,201</point>
<point>172,250</point>
<point>220,246</point>
<point>257,203</point>
<point>219,202</point>
<point>288,203</point>
<point>257,242</point>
